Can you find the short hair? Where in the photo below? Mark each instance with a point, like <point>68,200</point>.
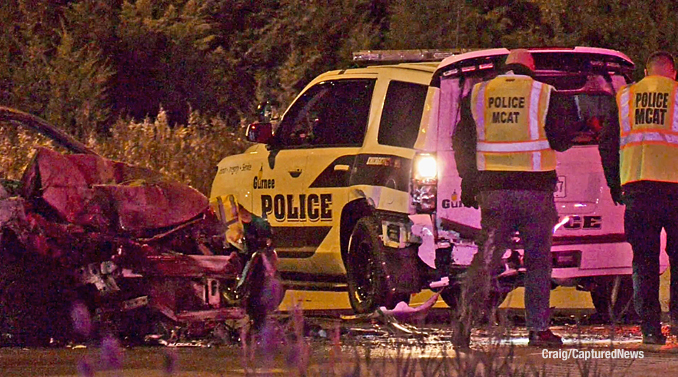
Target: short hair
<point>660,58</point>
<point>520,56</point>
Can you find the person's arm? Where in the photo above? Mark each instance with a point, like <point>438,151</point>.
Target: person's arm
<point>562,121</point>
<point>464,142</point>
<point>609,151</point>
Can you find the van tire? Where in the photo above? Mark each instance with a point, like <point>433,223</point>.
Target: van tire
<point>622,307</point>
<point>368,285</point>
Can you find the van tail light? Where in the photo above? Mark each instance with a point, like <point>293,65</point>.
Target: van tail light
<point>424,182</point>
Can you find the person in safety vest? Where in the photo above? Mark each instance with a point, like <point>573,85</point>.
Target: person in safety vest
<point>639,154</point>
<point>505,148</point>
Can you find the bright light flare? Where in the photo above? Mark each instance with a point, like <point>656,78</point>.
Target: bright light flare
<point>562,222</point>
<point>426,167</point>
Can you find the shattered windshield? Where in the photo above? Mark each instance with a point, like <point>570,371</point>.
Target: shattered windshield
<point>20,136</point>
<point>17,148</point>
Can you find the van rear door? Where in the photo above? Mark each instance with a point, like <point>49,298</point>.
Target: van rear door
<point>592,76</point>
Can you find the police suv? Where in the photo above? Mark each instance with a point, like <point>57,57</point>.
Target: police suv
<point>359,184</point>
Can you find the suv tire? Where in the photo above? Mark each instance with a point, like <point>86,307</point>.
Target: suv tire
<point>368,284</point>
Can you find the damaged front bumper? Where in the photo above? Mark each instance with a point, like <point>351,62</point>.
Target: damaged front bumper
<point>126,241</point>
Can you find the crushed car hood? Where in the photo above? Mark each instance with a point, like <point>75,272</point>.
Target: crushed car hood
<point>89,190</point>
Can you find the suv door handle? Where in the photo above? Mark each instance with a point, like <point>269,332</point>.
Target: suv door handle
<point>295,173</point>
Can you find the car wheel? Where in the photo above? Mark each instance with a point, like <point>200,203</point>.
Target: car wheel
<point>35,300</point>
<point>368,286</point>
<point>610,308</point>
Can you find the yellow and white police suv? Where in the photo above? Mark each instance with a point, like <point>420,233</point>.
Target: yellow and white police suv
<point>359,185</point>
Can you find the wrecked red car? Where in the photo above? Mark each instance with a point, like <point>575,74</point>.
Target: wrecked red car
<point>143,254</point>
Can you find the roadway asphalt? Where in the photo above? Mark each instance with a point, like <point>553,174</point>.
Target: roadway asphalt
<point>363,346</point>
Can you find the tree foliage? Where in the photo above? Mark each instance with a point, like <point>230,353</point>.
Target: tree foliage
<point>84,64</point>
<point>47,73</point>
<point>305,38</point>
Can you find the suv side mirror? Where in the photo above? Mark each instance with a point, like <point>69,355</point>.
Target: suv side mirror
<point>259,132</point>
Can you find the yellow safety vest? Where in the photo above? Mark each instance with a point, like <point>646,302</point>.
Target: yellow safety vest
<point>510,115</point>
<point>648,120</point>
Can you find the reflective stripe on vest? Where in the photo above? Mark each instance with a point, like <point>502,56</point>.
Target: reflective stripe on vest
<point>522,146</point>
<point>648,119</point>
<point>649,137</point>
<point>510,114</point>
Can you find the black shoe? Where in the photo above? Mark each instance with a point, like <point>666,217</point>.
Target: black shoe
<point>461,337</point>
<point>461,341</point>
<point>544,338</point>
<point>654,338</point>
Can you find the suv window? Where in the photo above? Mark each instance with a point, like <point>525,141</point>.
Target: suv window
<point>594,95</point>
<point>401,116</point>
<point>594,110</point>
<point>332,113</point>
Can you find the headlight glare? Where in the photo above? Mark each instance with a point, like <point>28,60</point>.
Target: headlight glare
<point>426,167</point>
<point>424,182</point>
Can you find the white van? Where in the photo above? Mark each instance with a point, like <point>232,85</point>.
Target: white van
<point>589,248</point>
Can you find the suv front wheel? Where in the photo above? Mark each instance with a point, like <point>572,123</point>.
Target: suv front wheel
<point>368,283</point>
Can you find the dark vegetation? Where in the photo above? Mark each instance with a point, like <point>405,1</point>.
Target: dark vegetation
<point>104,70</point>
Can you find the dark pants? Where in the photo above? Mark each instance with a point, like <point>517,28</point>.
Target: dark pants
<point>533,214</point>
<point>644,219</point>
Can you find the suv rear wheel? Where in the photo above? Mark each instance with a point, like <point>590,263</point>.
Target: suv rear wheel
<point>368,284</point>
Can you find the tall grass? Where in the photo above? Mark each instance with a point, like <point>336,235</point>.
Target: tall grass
<point>341,356</point>
<point>187,153</point>
<point>16,149</point>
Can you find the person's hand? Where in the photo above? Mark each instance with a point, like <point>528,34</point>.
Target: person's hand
<point>617,196</point>
<point>469,194</point>
<point>469,197</point>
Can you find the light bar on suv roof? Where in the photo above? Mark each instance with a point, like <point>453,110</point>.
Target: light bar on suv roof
<point>469,68</point>
<point>402,56</point>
